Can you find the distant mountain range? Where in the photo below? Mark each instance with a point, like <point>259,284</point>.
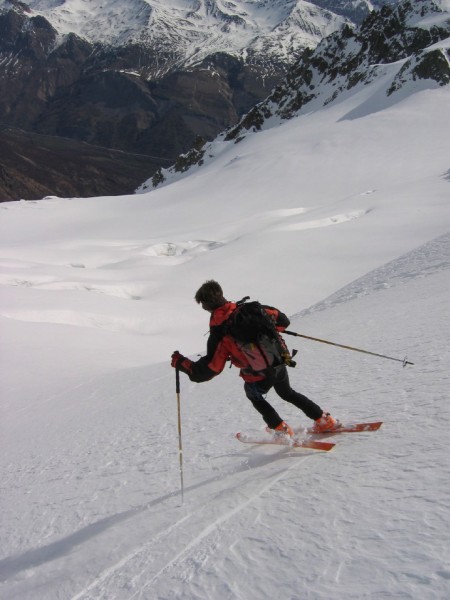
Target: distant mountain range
<point>177,34</point>
<point>144,77</point>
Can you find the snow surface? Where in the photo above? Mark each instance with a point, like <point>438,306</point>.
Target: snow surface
<point>341,222</point>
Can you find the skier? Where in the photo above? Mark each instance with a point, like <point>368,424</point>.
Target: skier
<point>221,347</point>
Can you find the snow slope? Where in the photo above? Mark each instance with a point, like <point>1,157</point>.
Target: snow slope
<point>342,222</point>
<point>91,474</point>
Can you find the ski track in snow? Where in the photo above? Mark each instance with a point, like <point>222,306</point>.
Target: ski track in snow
<point>153,558</point>
<point>208,538</point>
<point>244,506</point>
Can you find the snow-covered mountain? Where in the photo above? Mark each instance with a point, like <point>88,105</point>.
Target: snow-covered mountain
<point>184,32</point>
<point>400,49</point>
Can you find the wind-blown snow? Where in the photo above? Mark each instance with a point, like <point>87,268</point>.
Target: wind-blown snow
<point>342,222</point>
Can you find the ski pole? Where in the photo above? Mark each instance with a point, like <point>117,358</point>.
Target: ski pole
<point>180,445</point>
<point>307,337</point>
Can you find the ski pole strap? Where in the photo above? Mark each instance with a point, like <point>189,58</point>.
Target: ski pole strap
<point>404,361</point>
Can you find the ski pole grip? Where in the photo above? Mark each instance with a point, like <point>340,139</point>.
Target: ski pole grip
<point>177,380</point>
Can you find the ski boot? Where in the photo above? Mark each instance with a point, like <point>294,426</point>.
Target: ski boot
<point>325,423</point>
<point>284,429</point>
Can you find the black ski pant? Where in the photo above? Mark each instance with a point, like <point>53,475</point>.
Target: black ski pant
<point>256,391</point>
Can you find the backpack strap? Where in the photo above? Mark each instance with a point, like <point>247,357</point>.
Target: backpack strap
<point>243,300</point>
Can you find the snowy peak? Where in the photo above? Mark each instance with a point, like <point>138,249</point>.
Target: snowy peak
<point>190,30</point>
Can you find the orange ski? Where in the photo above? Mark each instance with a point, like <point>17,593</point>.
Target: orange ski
<point>350,428</point>
<point>284,440</point>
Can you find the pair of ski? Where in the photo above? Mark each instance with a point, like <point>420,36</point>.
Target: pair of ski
<point>298,442</point>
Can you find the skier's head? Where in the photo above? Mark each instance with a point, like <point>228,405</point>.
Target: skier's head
<point>210,295</point>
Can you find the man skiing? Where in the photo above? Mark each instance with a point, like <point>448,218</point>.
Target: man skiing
<point>221,346</point>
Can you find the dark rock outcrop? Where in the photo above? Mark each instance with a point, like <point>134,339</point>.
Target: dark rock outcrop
<point>95,94</point>
<point>33,166</point>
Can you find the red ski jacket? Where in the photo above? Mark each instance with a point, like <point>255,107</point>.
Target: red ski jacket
<point>222,347</point>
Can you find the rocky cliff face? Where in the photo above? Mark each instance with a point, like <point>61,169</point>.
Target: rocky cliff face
<point>33,166</point>
<point>145,78</point>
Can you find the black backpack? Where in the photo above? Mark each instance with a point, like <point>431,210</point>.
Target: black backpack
<point>256,335</point>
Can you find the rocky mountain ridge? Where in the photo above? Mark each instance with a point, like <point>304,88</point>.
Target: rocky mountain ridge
<point>183,33</point>
<point>408,46</point>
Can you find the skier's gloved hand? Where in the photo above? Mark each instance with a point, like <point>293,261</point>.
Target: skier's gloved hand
<point>176,356</point>
<point>181,362</point>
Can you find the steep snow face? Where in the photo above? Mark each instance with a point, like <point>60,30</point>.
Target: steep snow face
<point>194,29</point>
